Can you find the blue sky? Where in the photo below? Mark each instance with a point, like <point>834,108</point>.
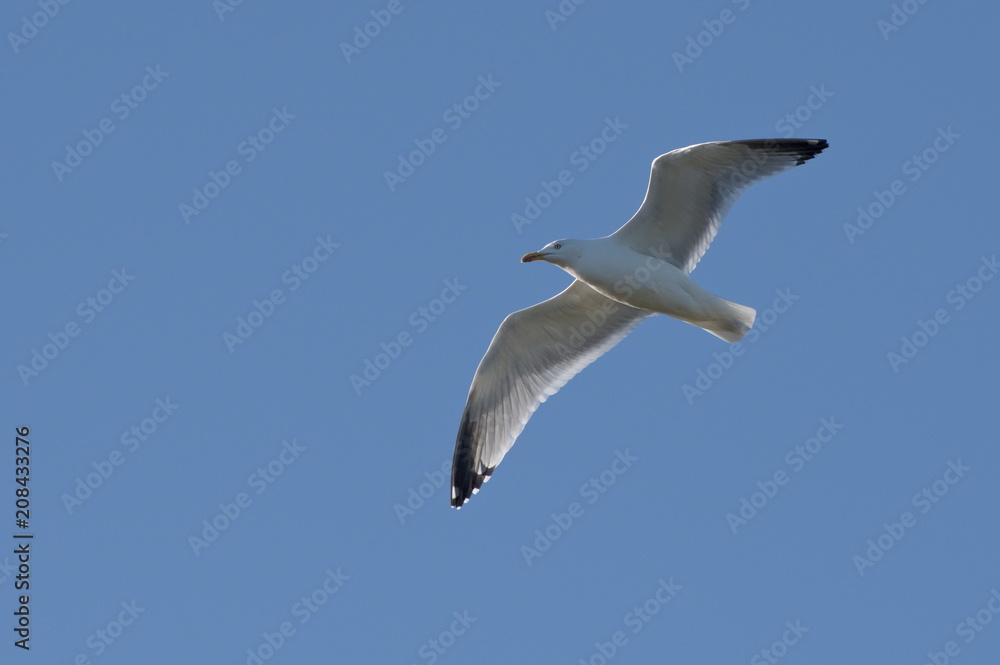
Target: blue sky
<point>218,214</point>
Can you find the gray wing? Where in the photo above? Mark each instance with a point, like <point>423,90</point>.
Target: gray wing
<point>691,190</point>
<point>535,352</point>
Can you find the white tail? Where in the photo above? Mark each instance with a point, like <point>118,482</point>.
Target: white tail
<point>733,322</point>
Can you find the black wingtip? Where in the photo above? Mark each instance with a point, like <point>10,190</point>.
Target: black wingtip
<point>806,149</point>
<point>802,149</point>
<point>466,478</point>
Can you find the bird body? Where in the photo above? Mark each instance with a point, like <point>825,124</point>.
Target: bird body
<point>646,281</point>
<point>642,269</point>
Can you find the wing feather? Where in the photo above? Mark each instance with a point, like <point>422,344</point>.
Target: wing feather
<point>691,190</point>
<point>535,352</point>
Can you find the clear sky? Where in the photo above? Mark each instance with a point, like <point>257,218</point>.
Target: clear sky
<point>253,252</point>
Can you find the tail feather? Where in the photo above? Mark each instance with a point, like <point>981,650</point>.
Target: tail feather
<point>734,321</point>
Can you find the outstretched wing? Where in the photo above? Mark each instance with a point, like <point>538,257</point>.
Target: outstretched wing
<point>535,352</point>
<point>691,190</point>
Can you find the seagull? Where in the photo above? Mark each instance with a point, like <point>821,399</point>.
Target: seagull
<point>639,270</point>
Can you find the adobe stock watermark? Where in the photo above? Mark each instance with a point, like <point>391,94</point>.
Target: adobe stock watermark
<point>365,33</point>
<point>131,440</point>
<point>700,42</point>
<point>302,610</point>
<point>923,501</point>
<point>958,297</point>
<point>778,649</point>
<point>122,107</point>
<point>259,481</point>
<point>722,361</point>
<point>454,116</point>
<point>789,123</point>
<point>592,490</point>
<point>101,639</point>
<point>900,15</point>
<point>418,495</point>
<point>914,168</point>
<point>249,149</point>
<point>32,23</point>
<point>7,570</point>
<point>795,459</point>
<point>224,7</point>
<point>86,312</point>
<point>431,650</point>
<point>561,12</point>
<point>967,630</point>
<point>420,320</point>
<point>580,159</point>
<point>294,277</point>
<point>634,620</point>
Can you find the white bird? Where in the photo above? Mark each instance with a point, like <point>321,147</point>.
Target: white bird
<point>640,269</point>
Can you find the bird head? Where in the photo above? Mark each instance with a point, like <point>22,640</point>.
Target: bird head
<point>558,252</point>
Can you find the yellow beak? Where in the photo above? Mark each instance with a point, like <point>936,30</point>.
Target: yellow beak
<point>534,256</point>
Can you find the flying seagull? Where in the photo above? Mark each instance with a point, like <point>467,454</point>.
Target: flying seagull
<point>639,270</point>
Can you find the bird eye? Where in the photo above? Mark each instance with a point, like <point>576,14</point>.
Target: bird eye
<point>557,246</point>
